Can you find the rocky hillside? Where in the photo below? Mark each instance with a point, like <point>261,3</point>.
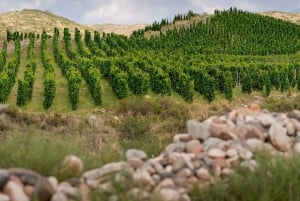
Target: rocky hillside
<point>209,150</point>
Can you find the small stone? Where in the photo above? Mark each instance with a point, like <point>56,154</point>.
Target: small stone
<point>253,132</point>
<point>250,164</point>
<point>185,197</point>
<point>255,144</point>
<point>93,183</point>
<point>25,176</point>
<point>203,174</point>
<point>279,138</point>
<point>169,194</point>
<point>135,153</point>
<point>213,143</point>
<point>166,183</point>
<point>297,148</point>
<point>192,145</point>
<point>143,178</point>
<point>192,180</point>
<point>177,163</point>
<point>216,153</point>
<point>182,137</point>
<point>43,190</point>
<point>135,162</point>
<point>70,191</point>
<point>28,189</point>
<point>198,130</point>
<point>231,153</point>
<point>245,154</point>
<point>266,120</point>
<point>4,177</point>
<point>4,197</point>
<point>72,166</point>
<point>176,147</point>
<point>220,163</point>
<point>59,196</point>
<point>295,114</point>
<point>106,170</point>
<point>93,121</point>
<point>84,192</point>
<point>227,172</point>
<point>15,192</point>
<point>139,194</point>
<point>222,131</point>
<point>53,182</point>
<point>233,115</point>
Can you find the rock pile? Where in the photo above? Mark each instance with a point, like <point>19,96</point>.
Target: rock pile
<point>208,150</point>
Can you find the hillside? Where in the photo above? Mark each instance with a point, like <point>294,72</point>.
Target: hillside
<point>30,20</point>
<point>291,17</point>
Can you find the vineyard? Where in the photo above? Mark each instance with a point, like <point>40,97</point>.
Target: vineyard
<point>233,50</point>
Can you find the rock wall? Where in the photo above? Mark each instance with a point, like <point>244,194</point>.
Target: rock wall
<point>209,150</point>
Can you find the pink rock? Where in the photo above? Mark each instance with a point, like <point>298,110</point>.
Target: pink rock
<point>72,166</point>
<point>166,183</point>
<point>15,192</point>
<point>84,192</point>
<point>135,162</point>
<point>182,137</point>
<point>203,174</point>
<point>216,153</point>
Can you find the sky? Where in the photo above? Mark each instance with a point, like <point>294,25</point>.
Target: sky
<point>140,11</point>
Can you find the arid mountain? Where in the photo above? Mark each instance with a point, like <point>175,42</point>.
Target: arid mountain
<point>292,17</point>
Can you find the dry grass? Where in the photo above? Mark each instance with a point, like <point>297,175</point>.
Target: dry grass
<point>291,17</point>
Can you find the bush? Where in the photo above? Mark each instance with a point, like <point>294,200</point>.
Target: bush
<point>132,127</point>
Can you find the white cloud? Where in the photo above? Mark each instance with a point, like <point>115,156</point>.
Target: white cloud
<point>120,11</point>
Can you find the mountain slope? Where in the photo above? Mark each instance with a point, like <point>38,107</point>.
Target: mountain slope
<point>30,20</point>
<point>291,17</point>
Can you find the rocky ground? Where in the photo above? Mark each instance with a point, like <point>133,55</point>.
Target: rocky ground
<point>209,150</point>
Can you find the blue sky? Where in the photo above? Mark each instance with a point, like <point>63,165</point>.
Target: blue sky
<point>139,11</point>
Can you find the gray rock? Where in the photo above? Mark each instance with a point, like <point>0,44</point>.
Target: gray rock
<point>106,170</point>
<point>198,130</point>
<point>135,153</point>
<point>4,177</point>
<point>279,138</point>
<point>216,153</point>
<point>43,190</point>
<point>26,176</point>
<point>245,153</point>
<point>213,143</point>
<point>175,147</point>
